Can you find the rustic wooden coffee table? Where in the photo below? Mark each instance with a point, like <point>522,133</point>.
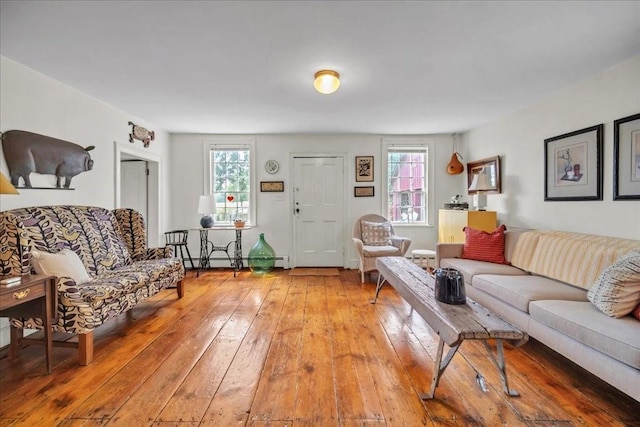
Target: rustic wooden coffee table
<point>452,323</point>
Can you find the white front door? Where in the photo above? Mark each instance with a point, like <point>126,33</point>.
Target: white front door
<point>318,199</point>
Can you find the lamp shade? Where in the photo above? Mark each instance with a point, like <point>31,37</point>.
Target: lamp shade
<point>206,205</point>
<point>480,182</point>
<point>326,81</point>
<point>5,186</point>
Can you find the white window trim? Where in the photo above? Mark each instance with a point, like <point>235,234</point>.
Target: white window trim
<point>430,143</point>
<point>231,143</point>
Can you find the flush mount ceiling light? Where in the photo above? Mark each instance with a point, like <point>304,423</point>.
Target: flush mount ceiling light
<point>326,81</point>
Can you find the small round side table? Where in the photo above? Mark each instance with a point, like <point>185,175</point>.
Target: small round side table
<point>423,257</point>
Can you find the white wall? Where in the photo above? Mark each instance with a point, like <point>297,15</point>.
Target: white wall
<point>274,217</point>
<point>519,140</point>
<point>34,102</point>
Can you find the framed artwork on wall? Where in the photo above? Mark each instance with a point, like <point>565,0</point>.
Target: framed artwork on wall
<point>626,158</point>
<point>573,165</point>
<point>491,165</point>
<point>272,186</point>
<point>363,191</point>
<point>364,168</point>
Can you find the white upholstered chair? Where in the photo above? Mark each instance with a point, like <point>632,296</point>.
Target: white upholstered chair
<point>374,237</point>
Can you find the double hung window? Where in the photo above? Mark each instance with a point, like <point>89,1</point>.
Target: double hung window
<point>229,180</point>
<point>408,190</point>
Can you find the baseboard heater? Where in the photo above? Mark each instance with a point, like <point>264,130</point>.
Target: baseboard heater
<point>281,261</point>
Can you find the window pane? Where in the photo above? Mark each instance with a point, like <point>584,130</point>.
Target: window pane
<point>407,171</point>
<point>230,176</point>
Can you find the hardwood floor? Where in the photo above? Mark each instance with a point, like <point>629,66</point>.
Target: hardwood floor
<point>292,351</point>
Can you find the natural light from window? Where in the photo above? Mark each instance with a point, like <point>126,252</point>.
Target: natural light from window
<point>230,183</point>
<point>407,189</point>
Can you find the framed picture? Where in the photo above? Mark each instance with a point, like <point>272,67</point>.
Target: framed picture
<point>272,186</point>
<point>364,168</point>
<point>491,165</point>
<point>363,191</point>
<point>626,158</point>
<point>573,165</point>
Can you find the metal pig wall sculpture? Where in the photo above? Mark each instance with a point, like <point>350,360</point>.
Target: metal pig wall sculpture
<point>141,134</point>
<point>27,152</point>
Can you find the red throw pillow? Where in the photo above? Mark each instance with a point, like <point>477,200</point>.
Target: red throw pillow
<point>482,246</point>
<point>636,312</point>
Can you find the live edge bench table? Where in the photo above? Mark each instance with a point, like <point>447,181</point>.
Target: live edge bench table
<point>452,323</point>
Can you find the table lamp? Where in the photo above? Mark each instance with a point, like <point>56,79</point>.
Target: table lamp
<point>480,184</point>
<point>206,207</point>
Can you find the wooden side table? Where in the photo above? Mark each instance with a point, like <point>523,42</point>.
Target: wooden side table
<point>34,296</point>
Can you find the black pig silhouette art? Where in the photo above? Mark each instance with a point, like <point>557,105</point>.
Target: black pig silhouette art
<point>27,152</point>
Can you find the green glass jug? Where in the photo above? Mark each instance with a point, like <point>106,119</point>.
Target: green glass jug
<point>262,257</point>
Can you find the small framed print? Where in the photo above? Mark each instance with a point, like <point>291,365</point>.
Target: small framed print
<point>364,168</point>
<point>272,186</point>
<point>364,191</point>
<point>573,165</point>
<point>626,158</point>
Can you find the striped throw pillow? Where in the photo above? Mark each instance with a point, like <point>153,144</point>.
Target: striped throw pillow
<point>617,291</point>
<point>482,246</point>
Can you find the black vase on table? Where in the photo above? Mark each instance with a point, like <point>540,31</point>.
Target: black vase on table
<point>450,286</point>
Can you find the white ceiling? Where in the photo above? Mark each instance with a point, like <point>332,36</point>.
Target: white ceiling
<point>247,67</point>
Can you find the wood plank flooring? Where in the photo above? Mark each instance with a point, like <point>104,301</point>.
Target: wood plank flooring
<point>284,350</point>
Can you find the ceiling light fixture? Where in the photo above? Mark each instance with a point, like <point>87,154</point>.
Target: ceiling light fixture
<point>326,81</point>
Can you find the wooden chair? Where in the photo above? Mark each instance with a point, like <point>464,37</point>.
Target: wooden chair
<point>178,240</point>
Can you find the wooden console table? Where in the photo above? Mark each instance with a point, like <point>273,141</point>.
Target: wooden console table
<point>452,323</point>
<point>34,296</point>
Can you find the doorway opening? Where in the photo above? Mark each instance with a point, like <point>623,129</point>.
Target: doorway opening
<point>126,180</point>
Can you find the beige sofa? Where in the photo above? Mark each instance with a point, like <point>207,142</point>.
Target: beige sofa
<point>544,293</point>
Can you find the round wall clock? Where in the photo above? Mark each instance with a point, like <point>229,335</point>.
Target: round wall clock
<point>272,166</point>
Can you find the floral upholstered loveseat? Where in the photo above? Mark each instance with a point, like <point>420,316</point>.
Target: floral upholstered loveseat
<point>112,247</point>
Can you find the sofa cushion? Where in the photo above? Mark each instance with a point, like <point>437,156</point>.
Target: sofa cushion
<point>520,291</point>
<point>91,232</point>
<point>65,263</point>
<point>582,321</point>
<point>133,278</point>
<point>575,258</point>
<point>113,285</point>
<point>376,233</point>
<point>376,251</point>
<point>482,246</point>
<point>511,237</point>
<point>469,268</point>
<point>524,249</point>
<point>616,292</point>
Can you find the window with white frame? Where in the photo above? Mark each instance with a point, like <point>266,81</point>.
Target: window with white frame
<point>229,180</point>
<point>408,192</point>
